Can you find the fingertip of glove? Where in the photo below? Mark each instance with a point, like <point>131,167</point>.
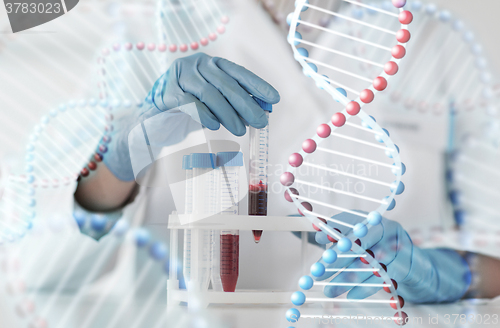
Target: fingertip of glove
<point>360,293</point>
<point>240,132</point>
<point>260,123</point>
<point>268,93</point>
<point>354,295</point>
<point>275,98</point>
<point>332,291</point>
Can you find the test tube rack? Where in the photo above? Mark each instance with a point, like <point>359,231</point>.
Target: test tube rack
<point>176,296</point>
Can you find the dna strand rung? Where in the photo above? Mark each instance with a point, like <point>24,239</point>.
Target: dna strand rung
<point>473,173</point>
<point>67,143</point>
<point>128,71</point>
<point>379,83</point>
<point>344,241</point>
<point>446,43</point>
<point>189,24</point>
<point>64,142</point>
<point>36,309</point>
<point>27,94</point>
<point>279,9</point>
<point>348,138</point>
<point>17,207</point>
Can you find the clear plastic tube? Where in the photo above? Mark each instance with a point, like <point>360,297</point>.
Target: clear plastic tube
<point>215,237</point>
<point>259,159</point>
<point>230,164</point>
<point>188,209</point>
<point>204,205</point>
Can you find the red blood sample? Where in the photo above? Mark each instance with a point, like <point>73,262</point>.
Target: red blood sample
<point>401,321</point>
<point>92,166</point>
<point>394,284</point>
<point>229,261</point>
<point>331,239</point>
<point>383,267</point>
<point>401,302</point>
<point>257,204</point>
<point>317,228</point>
<point>364,260</point>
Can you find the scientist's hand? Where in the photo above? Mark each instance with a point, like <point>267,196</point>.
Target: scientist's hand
<point>220,91</point>
<point>219,88</point>
<point>423,275</point>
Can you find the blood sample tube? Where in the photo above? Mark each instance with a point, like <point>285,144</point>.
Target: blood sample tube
<point>204,205</point>
<point>188,209</point>
<point>229,164</point>
<point>259,159</point>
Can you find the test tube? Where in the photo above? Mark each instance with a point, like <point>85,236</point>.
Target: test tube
<point>259,158</point>
<point>215,238</point>
<point>204,205</point>
<point>229,164</point>
<point>188,209</point>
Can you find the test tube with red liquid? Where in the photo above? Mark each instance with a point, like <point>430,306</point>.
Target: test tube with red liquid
<point>259,159</point>
<point>229,164</point>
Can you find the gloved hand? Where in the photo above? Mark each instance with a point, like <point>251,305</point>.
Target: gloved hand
<point>220,91</point>
<point>422,275</point>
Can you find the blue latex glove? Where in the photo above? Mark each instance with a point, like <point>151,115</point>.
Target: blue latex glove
<point>220,91</point>
<point>423,275</point>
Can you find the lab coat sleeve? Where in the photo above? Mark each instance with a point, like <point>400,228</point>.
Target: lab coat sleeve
<point>98,224</point>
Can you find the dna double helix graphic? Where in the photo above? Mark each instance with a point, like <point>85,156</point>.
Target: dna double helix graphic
<point>65,141</point>
<point>187,24</point>
<point>128,71</point>
<point>73,135</point>
<point>37,310</point>
<point>28,93</point>
<point>473,173</point>
<point>279,9</point>
<point>456,69</point>
<point>332,61</point>
<point>17,205</point>
<point>61,144</point>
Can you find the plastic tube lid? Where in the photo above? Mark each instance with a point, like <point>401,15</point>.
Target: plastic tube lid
<point>203,160</point>
<point>230,158</point>
<point>186,162</point>
<point>264,105</point>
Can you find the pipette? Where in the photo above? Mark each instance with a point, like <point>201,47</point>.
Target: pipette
<point>229,164</point>
<point>259,158</point>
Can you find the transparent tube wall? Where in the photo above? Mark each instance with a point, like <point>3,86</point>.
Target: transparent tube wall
<point>188,209</point>
<point>204,205</point>
<point>215,236</point>
<point>259,158</point>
